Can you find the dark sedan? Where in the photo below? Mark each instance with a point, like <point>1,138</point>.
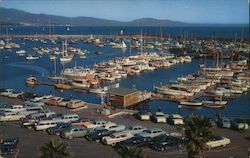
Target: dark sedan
<point>58,128</point>
<point>168,143</point>
<point>97,134</point>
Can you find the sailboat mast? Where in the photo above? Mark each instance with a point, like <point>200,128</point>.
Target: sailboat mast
<point>241,39</point>
<point>7,35</point>
<point>66,47</point>
<point>141,43</point>
<point>55,67</point>
<point>63,49</point>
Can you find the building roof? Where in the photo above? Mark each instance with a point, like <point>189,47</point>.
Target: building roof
<point>121,91</point>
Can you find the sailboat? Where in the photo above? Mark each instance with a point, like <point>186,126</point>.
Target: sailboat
<point>54,77</point>
<point>66,57</point>
<point>124,46</point>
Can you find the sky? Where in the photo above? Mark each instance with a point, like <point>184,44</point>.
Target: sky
<point>193,11</point>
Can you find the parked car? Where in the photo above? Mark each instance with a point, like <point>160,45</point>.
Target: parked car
<point>139,141</point>
<point>73,104</point>
<point>14,108</point>
<point>239,124</point>
<point>135,129</point>
<point>31,120</point>
<point>45,124</point>
<point>159,117</point>
<point>47,113</point>
<point>224,122</point>
<point>54,101</point>
<point>114,127</point>
<point>11,116</point>
<point>95,123</point>
<point>168,143</point>
<point>33,102</point>
<point>31,110</point>
<point>152,132</point>
<point>6,92</point>
<point>143,115</point>
<point>58,128</point>
<point>116,137</point>
<point>64,102</point>
<point>68,118</point>
<point>81,122</point>
<point>46,98</point>
<point>9,146</point>
<point>97,134</point>
<point>27,96</point>
<point>217,141</point>
<point>175,119</point>
<point>74,132</point>
<point>15,94</point>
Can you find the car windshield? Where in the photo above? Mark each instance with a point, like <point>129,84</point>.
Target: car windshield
<point>8,142</point>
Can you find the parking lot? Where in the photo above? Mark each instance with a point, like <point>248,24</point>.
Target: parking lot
<point>31,141</point>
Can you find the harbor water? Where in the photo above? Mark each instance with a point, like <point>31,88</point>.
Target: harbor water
<point>15,69</point>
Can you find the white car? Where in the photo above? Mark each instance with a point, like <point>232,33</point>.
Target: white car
<point>175,119</point>
<point>33,102</point>
<point>96,123</point>
<point>143,116</point>
<point>159,117</point>
<point>152,132</point>
<point>45,124</point>
<point>116,137</point>
<point>14,108</point>
<point>64,102</point>
<point>135,129</point>
<point>217,141</point>
<point>15,94</point>
<point>7,92</point>
<point>11,116</point>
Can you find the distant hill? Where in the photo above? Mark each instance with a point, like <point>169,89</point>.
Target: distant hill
<point>19,17</point>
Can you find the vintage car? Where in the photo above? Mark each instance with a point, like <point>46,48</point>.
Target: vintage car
<point>152,132</point>
<point>218,141</point>
<point>74,132</point>
<point>135,129</point>
<point>116,137</point>
<point>159,117</point>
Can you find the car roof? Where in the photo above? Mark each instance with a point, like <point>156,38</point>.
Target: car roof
<point>155,129</point>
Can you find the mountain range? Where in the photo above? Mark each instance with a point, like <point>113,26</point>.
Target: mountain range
<point>19,17</point>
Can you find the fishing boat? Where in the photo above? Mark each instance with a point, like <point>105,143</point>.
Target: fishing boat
<point>193,103</point>
<point>31,80</point>
<point>30,57</point>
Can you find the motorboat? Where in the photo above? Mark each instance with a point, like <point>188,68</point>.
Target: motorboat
<point>214,103</point>
<point>193,103</point>
<point>30,57</point>
<point>81,83</point>
<point>31,80</point>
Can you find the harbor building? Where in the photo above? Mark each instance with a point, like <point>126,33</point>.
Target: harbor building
<point>124,97</point>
